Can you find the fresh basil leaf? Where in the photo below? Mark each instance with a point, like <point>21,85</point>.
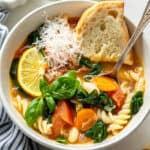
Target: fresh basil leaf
<point>44,87</point>
<point>62,140</point>
<point>65,86</point>
<point>98,132</point>
<point>71,74</point>
<point>34,110</point>
<point>136,102</point>
<point>50,103</point>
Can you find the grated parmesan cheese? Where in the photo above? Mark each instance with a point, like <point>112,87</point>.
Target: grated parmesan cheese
<point>59,42</point>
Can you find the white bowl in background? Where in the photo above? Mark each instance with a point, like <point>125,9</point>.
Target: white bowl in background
<point>14,40</point>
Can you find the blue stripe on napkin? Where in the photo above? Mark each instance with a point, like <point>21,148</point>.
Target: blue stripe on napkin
<point>11,138</point>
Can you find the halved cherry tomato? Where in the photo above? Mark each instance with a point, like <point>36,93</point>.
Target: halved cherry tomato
<point>118,97</point>
<point>58,125</point>
<point>105,84</point>
<point>62,116</point>
<point>65,112</point>
<point>86,118</point>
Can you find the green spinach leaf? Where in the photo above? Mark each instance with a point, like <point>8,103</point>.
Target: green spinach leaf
<point>83,61</point>
<point>33,37</point>
<point>62,140</point>
<point>34,110</point>
<point>95,68</point>
<point>13,75</point>
<point>136,102</point>
<point>101,100</point>
<point>91,98</point>
<point>13,69</point>
<point>106,102</point>
<point>81,93</point>
<point>98,132</point>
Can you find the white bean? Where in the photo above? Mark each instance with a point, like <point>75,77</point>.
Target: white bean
<point>73,135</point>
<point>90,87</point>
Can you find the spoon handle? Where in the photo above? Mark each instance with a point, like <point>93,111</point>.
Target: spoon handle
<point>141,26</point>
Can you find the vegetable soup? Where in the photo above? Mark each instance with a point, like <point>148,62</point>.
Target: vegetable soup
<point>58,92</point>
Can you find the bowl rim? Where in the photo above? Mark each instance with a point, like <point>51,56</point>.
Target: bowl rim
<point>33,136</point>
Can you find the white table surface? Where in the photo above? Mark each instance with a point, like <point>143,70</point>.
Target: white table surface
<point>140,138</point>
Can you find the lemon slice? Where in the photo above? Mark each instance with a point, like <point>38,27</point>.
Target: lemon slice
<point>31,68</point>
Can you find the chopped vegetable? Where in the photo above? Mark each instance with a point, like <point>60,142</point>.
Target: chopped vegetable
<point>44,87</point>
<point>118,97</point>
<point>98,132</point>
<point>50,103</point>
<point>62,140</point>
<point>13,69</point>
<point>33,37</point>
<point>13,75</point>
<point>95,68</point>
<point>47,114</point>
<point>65,86</point>
<point>85,62</point>
<point>58,124</point>
<point>86,118</point>
<point>42,52</point>
<point>73,135</point>
<point>62,116</point>
<point>81,93</point>
<point>65,112</point>
<point>106,102</point>
<point>101,100</point>
<point>34,110</point>
<point>136,102</point>
<point>105,84</point>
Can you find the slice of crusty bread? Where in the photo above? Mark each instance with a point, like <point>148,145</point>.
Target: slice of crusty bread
<point>102,32</point>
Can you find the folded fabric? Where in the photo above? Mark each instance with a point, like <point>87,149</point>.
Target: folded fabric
<point>11,138</point>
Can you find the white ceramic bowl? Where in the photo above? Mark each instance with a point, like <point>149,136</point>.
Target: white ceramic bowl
<point>15,39</point>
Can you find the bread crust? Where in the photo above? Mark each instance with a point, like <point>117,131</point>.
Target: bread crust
<point>90,14</point>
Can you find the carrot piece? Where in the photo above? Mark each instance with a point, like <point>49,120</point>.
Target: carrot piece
<point>118,97</point>
<point>58,125</point>
<point>105,84</point>
<point>65,112</point>
<point>86,118</point>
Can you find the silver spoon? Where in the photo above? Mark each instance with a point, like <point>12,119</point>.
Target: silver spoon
<point>141,26</point>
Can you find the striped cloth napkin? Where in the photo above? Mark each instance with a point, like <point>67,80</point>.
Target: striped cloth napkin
<point>11,138</point>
